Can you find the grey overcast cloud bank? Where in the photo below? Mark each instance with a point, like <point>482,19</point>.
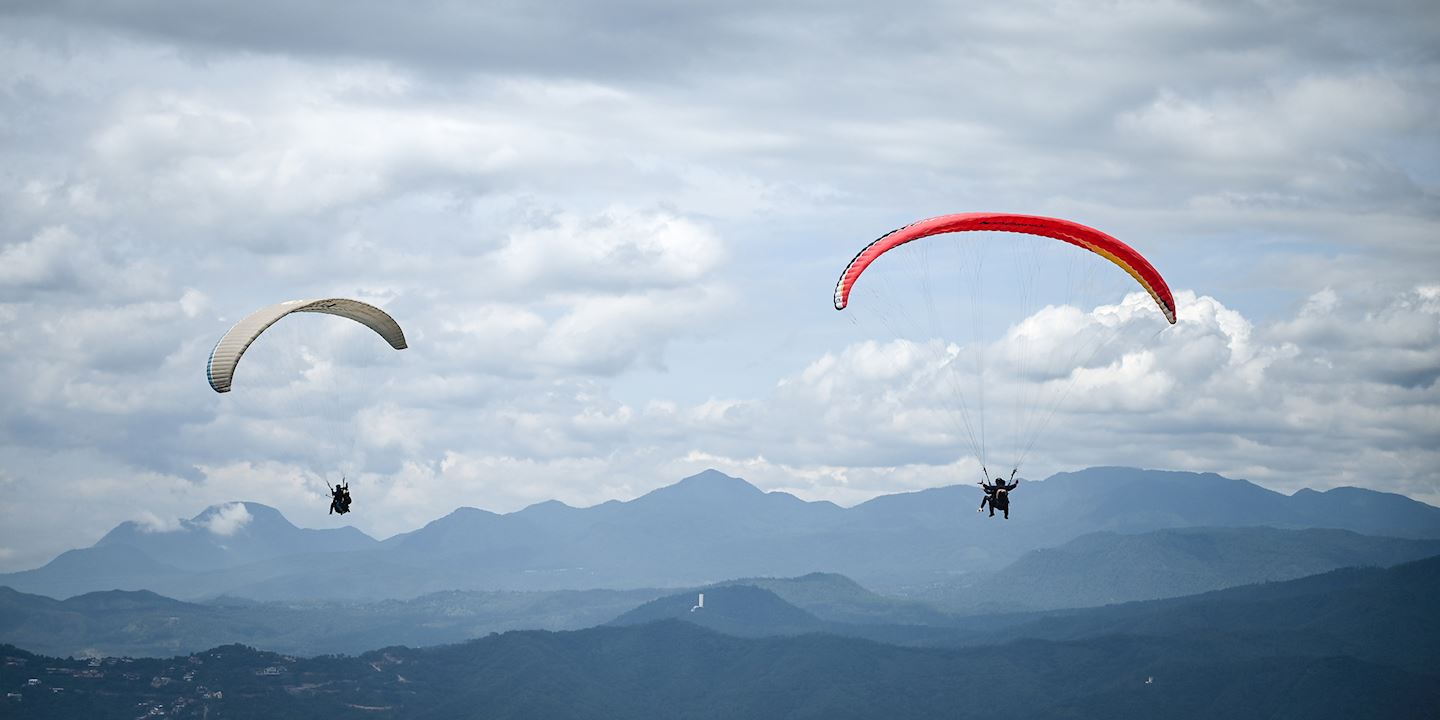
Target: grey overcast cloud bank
<point>611,230</point>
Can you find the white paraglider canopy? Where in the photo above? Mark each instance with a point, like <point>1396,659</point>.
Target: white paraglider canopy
<point>220,370</point>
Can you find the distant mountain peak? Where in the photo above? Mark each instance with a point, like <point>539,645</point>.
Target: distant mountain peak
<point>549,504</point>
<point>739,609</point>
<point>547,508</point>
<point>116,599</point>
<point>709,493</point>
<point>465,511</point>
<point>702,490</point>
<point>715,480</point>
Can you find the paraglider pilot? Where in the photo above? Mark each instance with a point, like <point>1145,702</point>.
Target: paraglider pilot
<point>997,495</point>
<point>340,498</point>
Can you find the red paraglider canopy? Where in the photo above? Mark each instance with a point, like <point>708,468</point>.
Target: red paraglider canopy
<point>1065,230</point>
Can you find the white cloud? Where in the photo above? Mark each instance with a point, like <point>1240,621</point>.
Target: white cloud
<point>1216,392</point>
<point>57,262</point>
<point>151,523</point>
<point>1284,122</point>
<point>604,335</point>
<point>617,248</point>
<point>227,520</point>
<point>45,260</point>
<point>215,155</point>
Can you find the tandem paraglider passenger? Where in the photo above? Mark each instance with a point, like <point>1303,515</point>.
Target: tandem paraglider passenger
<point>997,495</point>
<point>340,498</point>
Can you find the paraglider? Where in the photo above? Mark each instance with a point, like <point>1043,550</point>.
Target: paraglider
<point>997,495</point>
<point>1065,308</point>
<point>340,498</point>
<point>225,357</point>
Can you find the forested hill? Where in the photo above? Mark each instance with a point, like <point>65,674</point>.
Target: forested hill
<point>1224,663</point>
<point>671,669</point>
<point>1387,616</point>
<point>1105,568</point>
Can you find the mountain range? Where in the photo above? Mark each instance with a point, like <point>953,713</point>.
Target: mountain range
<point>704,529</point>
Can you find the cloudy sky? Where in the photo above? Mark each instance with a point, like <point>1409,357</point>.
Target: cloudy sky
<point>611,232</point>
